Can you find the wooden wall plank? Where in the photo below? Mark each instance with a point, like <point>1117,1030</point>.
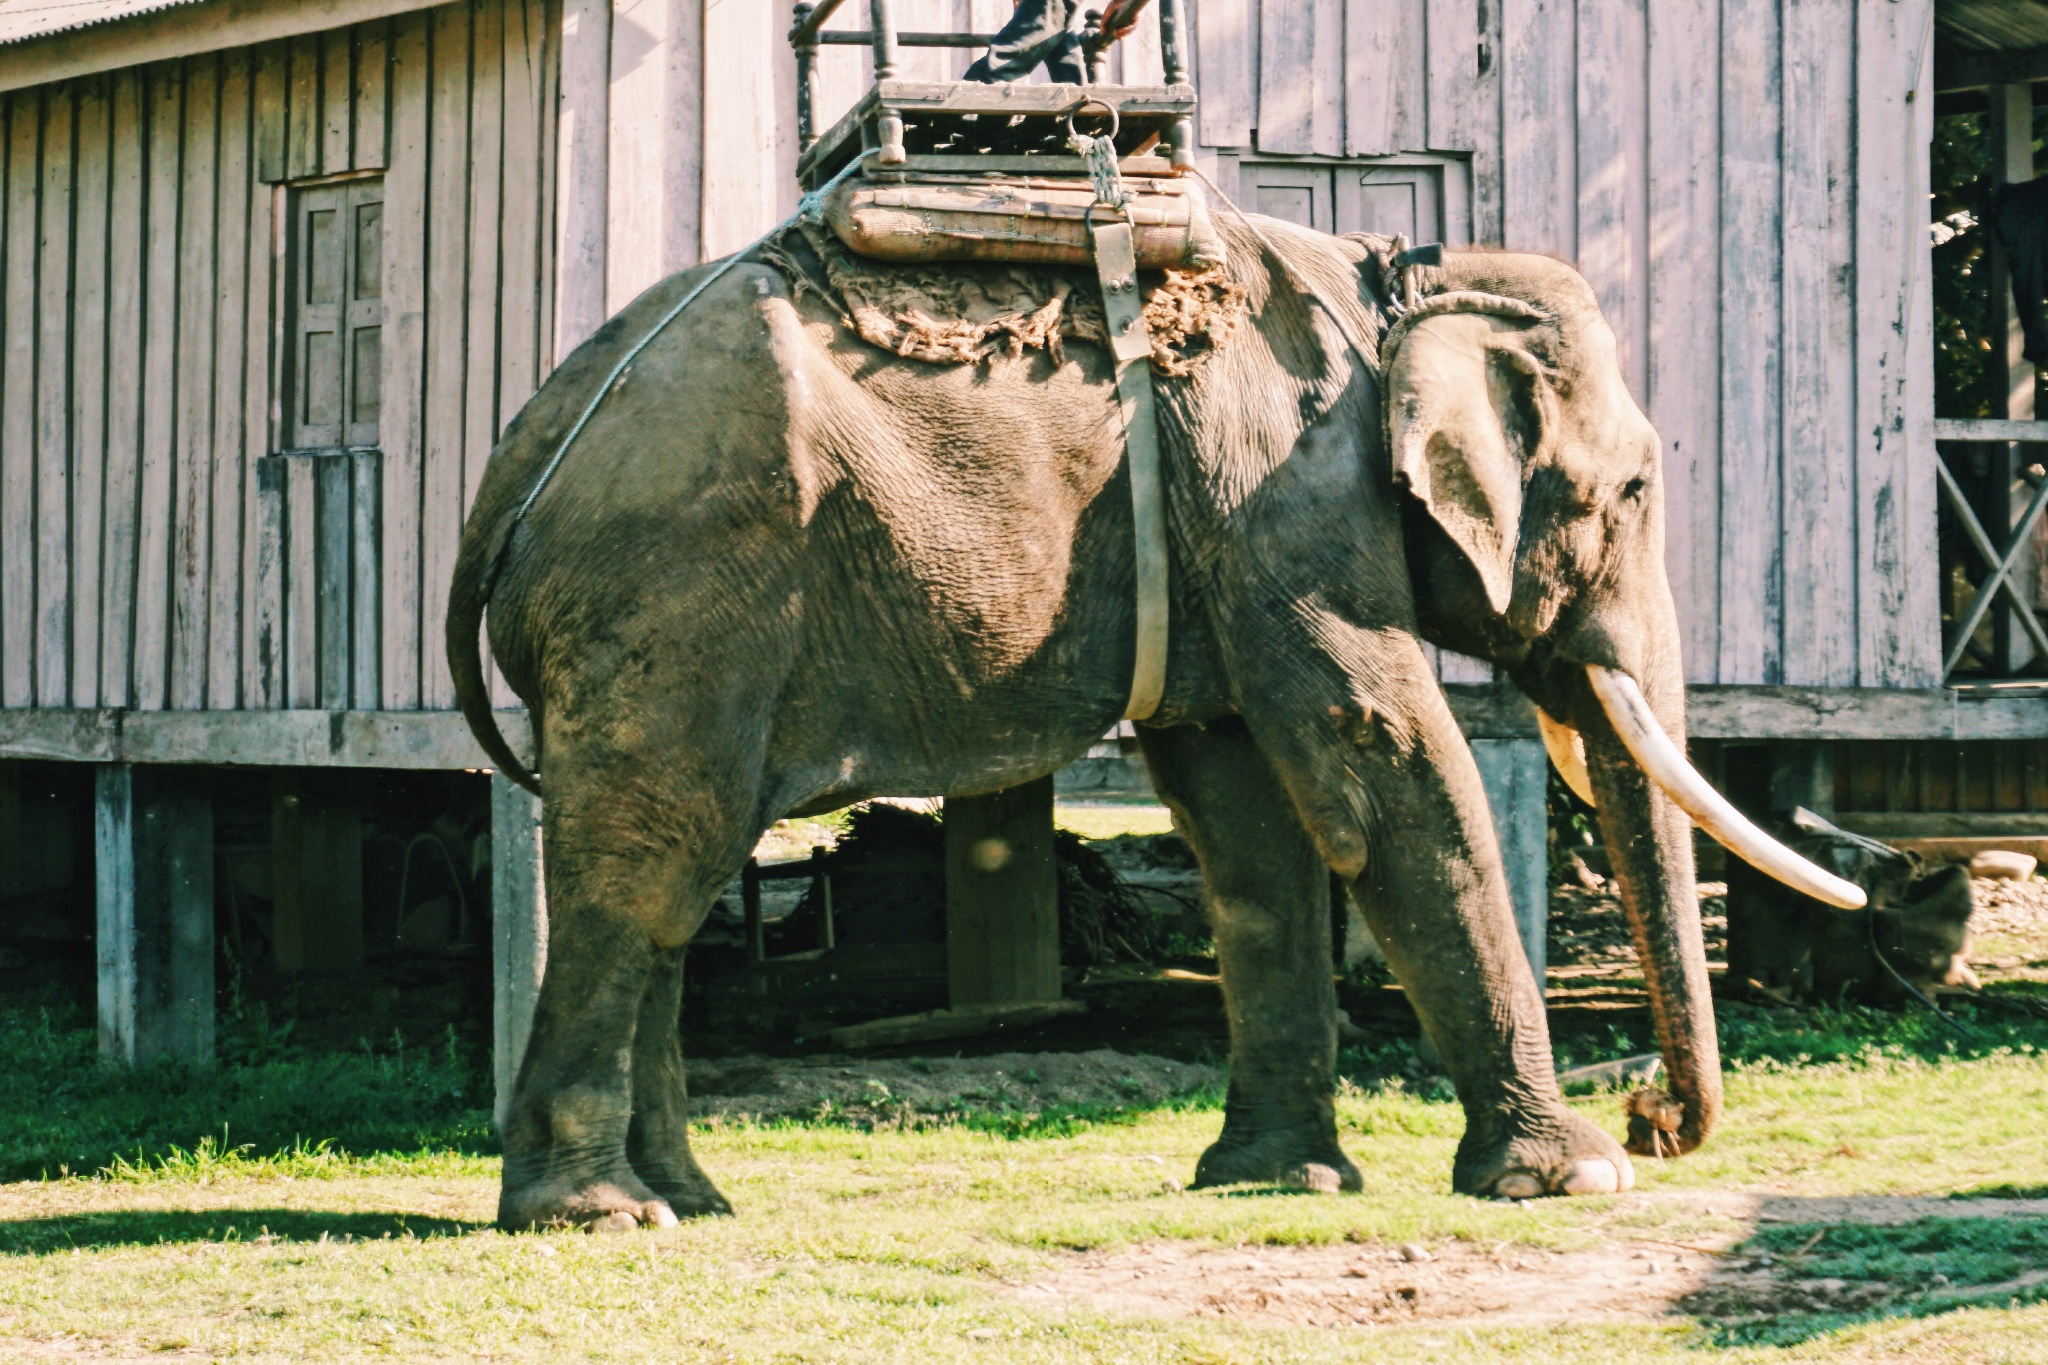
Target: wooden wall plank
<point>89,387</point>
<point>302,117</point>
<point>581,167</point>
<point>405,338</point>
<point>447,324</point>
<point>526,213</point>
<point>302,580</point>
<point>1612,119</point>
<point>1371,82</point>
<point>1487,224</point>
<point>159,388</point>
<point>487,212</point>
<point>1287,45</point>
<point>637,193</point>
<point>842,71</point>
<point>1410,75</point>
<point>740,132</point>
<point>229,445</point>
<point>18,405</point>
<point>273,99</point>
<point>130,112</point>
<point>1752,580</point>
<point>367,146</point>
<point>1139,59</point>
<point>1539,173</point>
<point>53,403</point>
<point>1326,79</point>
<point>1456,91</point>
<point>334,573</point>
<point>364,588</point>
<point>262,614</point>
<point>192,524</point>
<point>1683,397</point>
<point>1228,38</point>
<point>337,100</point>
<point>525,207</point>
<point>1818,396</point>
<point>1898,623</point>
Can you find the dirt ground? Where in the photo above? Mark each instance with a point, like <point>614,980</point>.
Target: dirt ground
<point>899,1090</point>
<point>1632,1279</point>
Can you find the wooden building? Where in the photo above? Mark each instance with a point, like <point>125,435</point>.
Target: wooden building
<point>277,272</point>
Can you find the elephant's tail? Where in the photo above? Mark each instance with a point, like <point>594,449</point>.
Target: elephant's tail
<point>476,567</point>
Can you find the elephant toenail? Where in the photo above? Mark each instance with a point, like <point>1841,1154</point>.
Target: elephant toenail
<point>661,1215</point>
<point>1595,1175</point>
<point>1518,1186</point>
<point>1313,1175</point>
<point>618,1220</point>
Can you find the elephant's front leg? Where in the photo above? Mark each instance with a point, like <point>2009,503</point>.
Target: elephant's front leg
<point>1391,790</point>
<point>1268,897</point>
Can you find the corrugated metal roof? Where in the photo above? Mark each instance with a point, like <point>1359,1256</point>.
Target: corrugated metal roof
<point>1993,25</point>
<point>21,20</point>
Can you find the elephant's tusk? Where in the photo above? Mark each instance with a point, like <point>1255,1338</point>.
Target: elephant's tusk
<point>1668,768</point>
<point>1567,754</point>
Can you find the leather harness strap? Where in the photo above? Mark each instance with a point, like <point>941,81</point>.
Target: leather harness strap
<point>1130,343</point>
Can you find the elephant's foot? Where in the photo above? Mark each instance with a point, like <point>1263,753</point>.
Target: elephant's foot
<point>681,1184</point>
<point>1303,1156</point>
<point>1559,1154</point>
<point>607,1198</point>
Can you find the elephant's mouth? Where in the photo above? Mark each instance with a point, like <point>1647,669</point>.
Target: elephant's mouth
<point>1662,763</point>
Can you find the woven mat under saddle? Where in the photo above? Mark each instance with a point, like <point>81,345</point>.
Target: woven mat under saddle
<point>964,314</point>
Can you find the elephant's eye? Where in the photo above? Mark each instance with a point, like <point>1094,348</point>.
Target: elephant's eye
<point>1633,489</point>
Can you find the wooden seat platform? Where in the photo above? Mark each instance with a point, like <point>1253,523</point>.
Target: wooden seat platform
<point>965,127</point>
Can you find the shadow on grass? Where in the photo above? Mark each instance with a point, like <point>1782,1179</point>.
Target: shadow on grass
<point>40,1236</point>
<point>1813,1271</point>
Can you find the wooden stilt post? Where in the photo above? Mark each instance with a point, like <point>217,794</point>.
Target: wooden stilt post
<point>519,930</point>
<point>2009,130</point>
<point>153,836</point>
<point>1002,897</point>
<point>1517,776</point>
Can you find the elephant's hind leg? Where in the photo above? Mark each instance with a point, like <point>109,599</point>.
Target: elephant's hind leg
<point>658,1142</point>
<point>631,871</point>
<point>1268,894</point>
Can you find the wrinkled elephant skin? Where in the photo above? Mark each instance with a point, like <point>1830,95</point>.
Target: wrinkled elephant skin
<point>782,571</point>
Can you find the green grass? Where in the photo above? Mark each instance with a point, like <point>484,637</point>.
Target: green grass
<point>1107,817</point>
<point>346,1215</point>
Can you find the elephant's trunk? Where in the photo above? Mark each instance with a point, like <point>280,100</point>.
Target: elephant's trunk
<point>1649,844</point>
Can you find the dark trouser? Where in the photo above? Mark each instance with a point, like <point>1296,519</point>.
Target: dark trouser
<point>2019,216</point>
<point>1046,31</point>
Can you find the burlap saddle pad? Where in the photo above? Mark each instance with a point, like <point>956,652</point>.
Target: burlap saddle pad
<point>966,313</point>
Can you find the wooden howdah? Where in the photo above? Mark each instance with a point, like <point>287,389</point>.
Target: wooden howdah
<point>1019,220</point>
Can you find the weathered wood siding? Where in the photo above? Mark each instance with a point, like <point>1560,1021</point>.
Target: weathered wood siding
<point>155,550</point>
<point>1742,182</point>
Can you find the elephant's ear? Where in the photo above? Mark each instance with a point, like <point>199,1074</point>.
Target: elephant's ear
<point>1453,391</point>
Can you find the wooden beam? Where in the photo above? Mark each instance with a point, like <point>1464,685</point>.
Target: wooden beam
<point>1988,429</point>
<point>182,32</point>
<point>440,740</point>
<point>153,838</point>
<point>1964,69</point>
<point>960,1022</point>
<point>415,740</point>
<point>1002,897</point>
<point>519,931</point>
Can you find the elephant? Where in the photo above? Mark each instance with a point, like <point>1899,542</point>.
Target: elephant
<point>782,570</point>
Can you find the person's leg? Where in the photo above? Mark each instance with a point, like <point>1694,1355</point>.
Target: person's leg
<point>1038,29</point>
